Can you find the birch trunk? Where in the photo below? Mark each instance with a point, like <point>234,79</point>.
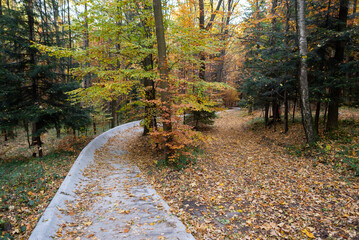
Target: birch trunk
<point>303,75</point>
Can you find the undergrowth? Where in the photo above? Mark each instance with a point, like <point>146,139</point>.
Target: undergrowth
<point>340,148</point>
<point>28,185</point>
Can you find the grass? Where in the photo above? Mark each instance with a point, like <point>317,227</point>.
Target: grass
<point>28,185</point>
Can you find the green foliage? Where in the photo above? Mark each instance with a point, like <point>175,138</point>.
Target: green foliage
<point>33,86</point>
<point>271,54</point>
<point>20,178</point>
<point>182,160</point>
<point>339,148</point>
<point>350,156</point>
<point>27,184</point>
<point>195,118</point>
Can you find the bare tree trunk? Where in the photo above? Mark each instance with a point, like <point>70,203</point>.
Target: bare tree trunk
<point>94,126</point>
<point>224,37</point>
<point>266,113</point>
<point>286,104</point>
<point>149,84</point>
<point>58,130</point>
<point>69,65</point>
<point>328,13</point>
<point>325,113</point>
<point>317,115</point>
<point>86,43</point>
<point>294,105</point>
<point>163,69</point>
<point>202,57</point>
<point>303,75</point>
<point>286,110</point>
<point>36,139</point>
<point>150,93</point>
<point>113,105</point>
<point>26,126</point>
<point>275,113</point>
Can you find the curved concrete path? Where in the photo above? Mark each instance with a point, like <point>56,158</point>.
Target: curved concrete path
<point>104,197</point>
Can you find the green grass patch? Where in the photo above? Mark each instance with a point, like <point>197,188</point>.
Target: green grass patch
<point>339,148</point>
<point>25,185</point>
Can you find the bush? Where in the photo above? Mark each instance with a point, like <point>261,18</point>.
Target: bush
<point>197,118</point>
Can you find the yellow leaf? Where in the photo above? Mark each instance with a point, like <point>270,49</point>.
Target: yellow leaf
<point>309,234</point>
<point>88,223</point>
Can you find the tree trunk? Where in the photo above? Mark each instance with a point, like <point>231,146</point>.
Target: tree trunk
<point>294,105</point>
<point>266,114</point>
<point>149,84</point>
<point>328,13</point>
<point>36,139</point>
<point>224,37</point>
<point>286,110</point>
<point>303,75</point>
<point>286,103</point>
<point>250,108</point>
<point>202,57</point>
<point>86,43</point>
<point>150,94</point>
<point>69,65</point>
<point>325,113</point>
<point>113,105</point>
<point>355,6</point>
<point>335,91</point>
<point>163,70</point>
<point>275,113</point>
<point>5,135</point>
<point>26,126</point>
<point>55,6</point>
<point>94,127</point>
<point>58,130</point>
<point>317,115</point>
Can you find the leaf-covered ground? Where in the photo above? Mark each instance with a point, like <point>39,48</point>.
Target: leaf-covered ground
<point>28,184</point>
<point>251,182</point>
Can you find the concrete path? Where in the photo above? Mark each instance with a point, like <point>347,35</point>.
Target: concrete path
<point>104,197</point>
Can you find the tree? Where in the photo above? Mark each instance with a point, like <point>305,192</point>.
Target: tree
<point>164,76</point>
<point>303,75</point>
<point>32,83</point>
<point>335,89</point>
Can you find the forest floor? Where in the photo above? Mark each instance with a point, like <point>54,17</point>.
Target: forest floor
<point>28,184</point>
<point>250,182</point>
<point>257,183</point>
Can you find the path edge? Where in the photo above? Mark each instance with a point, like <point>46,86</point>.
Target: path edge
<point>51,218</point>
